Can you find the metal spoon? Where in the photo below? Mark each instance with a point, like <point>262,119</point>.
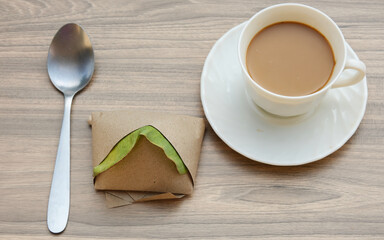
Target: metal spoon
<point>70,67</point>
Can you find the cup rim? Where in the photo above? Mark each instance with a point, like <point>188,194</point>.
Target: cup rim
<point>323,89</point>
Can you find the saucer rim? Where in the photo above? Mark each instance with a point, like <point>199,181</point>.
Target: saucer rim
<point>358,118</point>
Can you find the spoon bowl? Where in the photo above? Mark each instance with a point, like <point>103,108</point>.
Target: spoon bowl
<point>70,67</point>
<point>70,59</point>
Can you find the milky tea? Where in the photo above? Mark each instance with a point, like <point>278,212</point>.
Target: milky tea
<point>290,59</point>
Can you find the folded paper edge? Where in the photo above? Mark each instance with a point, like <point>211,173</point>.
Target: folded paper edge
<point>114,199</point>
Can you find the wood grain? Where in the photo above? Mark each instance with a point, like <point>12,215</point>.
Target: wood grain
<point>149,56</point>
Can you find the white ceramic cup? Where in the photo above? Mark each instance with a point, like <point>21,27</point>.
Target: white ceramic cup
<point>295,105</point>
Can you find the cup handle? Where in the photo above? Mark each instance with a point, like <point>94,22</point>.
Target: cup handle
<point>348,78</point>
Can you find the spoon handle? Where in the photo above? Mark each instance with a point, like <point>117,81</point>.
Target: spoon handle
<point>58,204</point>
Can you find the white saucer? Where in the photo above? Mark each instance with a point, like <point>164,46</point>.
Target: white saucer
<point>266,138</point>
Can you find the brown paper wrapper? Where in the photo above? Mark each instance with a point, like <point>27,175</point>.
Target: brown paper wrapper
<point>146,173</point>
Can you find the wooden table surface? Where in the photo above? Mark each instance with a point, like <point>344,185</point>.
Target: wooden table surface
<point>149,56</point>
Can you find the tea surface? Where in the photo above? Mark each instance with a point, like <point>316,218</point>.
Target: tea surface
<point>290,59</point>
